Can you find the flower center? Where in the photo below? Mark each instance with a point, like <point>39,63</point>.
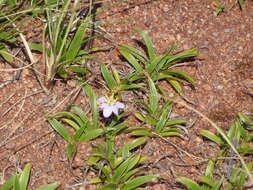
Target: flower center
<point>110,100</point>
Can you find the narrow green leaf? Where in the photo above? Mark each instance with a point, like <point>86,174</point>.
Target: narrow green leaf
<point>207,181</point>
<point>164,117</point>
<point>59,128</point>
<point>136,53</point>
<point>9,183</point>
<point>80,113</point>
<point>108,187</point>
<point>16,183</point>
<point>71,123</point>
<point>129,86</point>
<point>91,134</point>
<point>69,115</point>
<point>148,43</point>
<point>24,177</point>
<point>77,41</point>
<point>120,170</point>
<point>6,55</point>
<point>138,182</point>
<point>93,103</point>
<point>180,74</point>
<point>51,186</point>
<point>131,59</point>
<point>209,135</point>
<point>170,134</point>
<point>191,185</point>
<point>141,133</point>
<point>111,83</point>
<point>175,122</point>
<point>176,85</point>
<point>209,169</point>
<point>71,150</point>
<point>153,96</point>
<point>36,47</point>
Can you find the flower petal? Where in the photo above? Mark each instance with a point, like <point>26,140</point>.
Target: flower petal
<point>103,105</point>
<point>102,100</point>
<point>107,111</point>
<point>115,110</point>
<point>119,105</point>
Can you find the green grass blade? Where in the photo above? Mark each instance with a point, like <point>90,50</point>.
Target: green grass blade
<point>6,55</point>
<point>164,117</point>
<point>111,83</point>
<point>8,184</point>
<point>209,135</point>
<point>59,128</point>
<point>69,115</point>
<point>131,59</point>
<point>148,43</point>
<point>24,177</point>
<point>136,53</point>
<point>91,134</point>
<point>138,182</point>
<point>176,85</point>
<point>108,187</point>
<point>77,41</point>
<point>153,96</point>
<point>191,185</point>
<point>93,103</point>
<point>180,74</point>
<point>16,183</point>
<point>51,186</point>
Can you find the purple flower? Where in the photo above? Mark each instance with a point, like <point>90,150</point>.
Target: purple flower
<point>109,105</point>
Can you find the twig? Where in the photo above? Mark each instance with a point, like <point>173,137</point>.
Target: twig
<point>13,105</point>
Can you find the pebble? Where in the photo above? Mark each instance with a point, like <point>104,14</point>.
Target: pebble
<point>227,30</point>
<point>215,34</point>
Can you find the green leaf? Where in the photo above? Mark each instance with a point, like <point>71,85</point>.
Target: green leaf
<point>111,83</point>
<point>91,134</point>
<point>16,183</point>
<point>170,134</point>
<point>71,150</point>
<point>180,74</point>
<point>58,127</point>
<point>176,85</point>
<point>136,53</point>
<point>36,47</point>
<point>108,187</point>
<point>93,102</point>
<point>51,186</point>
<point>75,44</point>
<point>209,169</point>
<point>6,55</point>
<point>80,113</point>
<point>164,117</point>
<point>207,181</point>
<point>120,170</point>
<point>131,59</point>
<point>153,96</point>
<point>148,43</point>
<point>24,177</point>
<point>138,182</point>
<point>77,69</point>
<point>191,185</point>
<point>132,145</point>
<point>71,123</point>
<point>209,135</point>
<point>9,183</point>
<point>142,132</point>
<point>175,122</point>
<point>129,86</point>
<point>69,115</point>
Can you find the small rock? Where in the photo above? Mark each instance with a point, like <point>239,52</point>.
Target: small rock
<point>220,87</point>
<point>215,34</point>
<point>227,30</point>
